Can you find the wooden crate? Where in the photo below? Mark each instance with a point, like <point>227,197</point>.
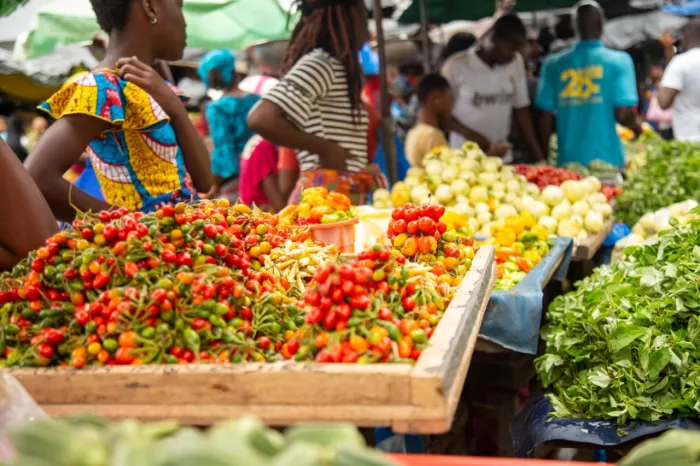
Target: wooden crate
<point>588,248</point>
<point>410,399</point>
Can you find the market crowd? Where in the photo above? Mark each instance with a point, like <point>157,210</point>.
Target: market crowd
<point>124,124</point>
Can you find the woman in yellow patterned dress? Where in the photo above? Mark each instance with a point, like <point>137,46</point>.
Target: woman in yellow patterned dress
<point>132,124</point>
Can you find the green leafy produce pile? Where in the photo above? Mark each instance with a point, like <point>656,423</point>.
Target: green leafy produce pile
<point>671,174</point>
<point>90,441</point>
<point>674,448</point>
<point>626,343</point>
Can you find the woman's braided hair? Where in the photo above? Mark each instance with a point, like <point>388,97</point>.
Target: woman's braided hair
<point>330,25</point>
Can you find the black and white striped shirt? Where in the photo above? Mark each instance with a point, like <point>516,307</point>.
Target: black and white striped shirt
<point>314,95</point>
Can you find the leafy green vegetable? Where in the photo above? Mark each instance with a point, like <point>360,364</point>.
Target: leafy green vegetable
<point>626,343</point>
<point>671,174</point>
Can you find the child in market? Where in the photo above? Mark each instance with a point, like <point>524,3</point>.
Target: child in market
<point>126,117</point>
<point>435,97</point>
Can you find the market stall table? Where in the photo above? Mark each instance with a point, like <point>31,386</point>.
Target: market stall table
<point>587,249</point>
<point>430,460</point>
<point>410,399</point>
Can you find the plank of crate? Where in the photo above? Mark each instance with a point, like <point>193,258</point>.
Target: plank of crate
<point>588,248</point>
<point>438,377</point>
<point>286,393</point>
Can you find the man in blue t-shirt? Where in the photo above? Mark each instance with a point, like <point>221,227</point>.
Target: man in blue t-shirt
<point>588,87</point>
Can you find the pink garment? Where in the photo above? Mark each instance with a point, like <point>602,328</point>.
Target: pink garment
<point>259,160</point>
<point>657,115</point>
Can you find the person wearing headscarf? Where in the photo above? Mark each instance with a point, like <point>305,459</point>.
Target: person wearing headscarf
<point>226,116</point>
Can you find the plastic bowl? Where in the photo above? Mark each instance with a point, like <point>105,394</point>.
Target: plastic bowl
<point>342,234</point>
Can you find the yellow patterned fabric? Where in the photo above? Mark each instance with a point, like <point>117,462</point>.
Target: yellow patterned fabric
<point>138,162</point>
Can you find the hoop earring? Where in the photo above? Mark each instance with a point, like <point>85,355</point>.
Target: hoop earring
<point>154,20</point>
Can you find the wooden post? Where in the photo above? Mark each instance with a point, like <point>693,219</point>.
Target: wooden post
<point>427,51</point>
<point>387,126</point>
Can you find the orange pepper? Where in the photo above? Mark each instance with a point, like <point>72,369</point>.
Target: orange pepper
<point>523,264</point>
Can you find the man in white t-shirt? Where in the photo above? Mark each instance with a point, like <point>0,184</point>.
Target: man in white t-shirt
<point>680,87</point>
<point>490,87</point>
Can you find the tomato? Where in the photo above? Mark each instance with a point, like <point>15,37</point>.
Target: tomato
<point>408,303</point>
<point>78,362</point>
<point>200,324</point>
<point>123,356</point>
<point>437,211</point>
<point>360,301</point>
<point>397,214</point>
<point>426,225</point>
<point>344,310</point>
<point>184,259</point>
<point>263,343</point>
<point>169,256</point>
<point>82,317</point>
<point>399,227</point>
<point>424,244</point>
<point>410,214</point>
<point>412,227</point>
<point>45,350</point>
<point>101,280</point>
<point>293,346</point>
<point>210,230</point>
<point>127,339</point>
<point>385,313</point>
<point>330,320</point>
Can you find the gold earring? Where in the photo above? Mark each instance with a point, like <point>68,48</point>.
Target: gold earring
<point>154,20</point>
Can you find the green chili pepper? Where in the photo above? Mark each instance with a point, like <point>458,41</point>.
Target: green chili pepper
<point>394,332</point>
<point>229,336</point>
<point>110,344</point>
<point>419,336</point>
<point>192,339</point>
<point>217,321</point>
<point>221,309</point>
<point>91,327</point>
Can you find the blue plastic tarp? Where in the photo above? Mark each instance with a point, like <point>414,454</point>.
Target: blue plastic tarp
<point>513,317</point>
<point>687,8</point>
<point>532,428</point>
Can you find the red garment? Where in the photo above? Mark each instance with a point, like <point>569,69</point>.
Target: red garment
<point>201,126</point>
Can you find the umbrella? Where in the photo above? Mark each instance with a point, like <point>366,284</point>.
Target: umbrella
<point>687,8</point>
<point>8,6</point>
<point>211,24</point>
<point>444,11</point>
<point>623,33</point>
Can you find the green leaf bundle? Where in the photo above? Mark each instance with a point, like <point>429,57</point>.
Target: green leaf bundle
<point>626,343</point>
<point>671,174</point>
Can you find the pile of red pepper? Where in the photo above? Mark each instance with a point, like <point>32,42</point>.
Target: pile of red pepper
<point>611,191</point>
<point>545,175</point>
<point>186,284</point>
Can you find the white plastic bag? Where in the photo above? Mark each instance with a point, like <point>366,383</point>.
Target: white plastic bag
<point>16,407</point>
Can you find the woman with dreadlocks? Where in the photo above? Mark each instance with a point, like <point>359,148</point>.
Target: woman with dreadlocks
<point>130,122</point>
<point>317,107</point>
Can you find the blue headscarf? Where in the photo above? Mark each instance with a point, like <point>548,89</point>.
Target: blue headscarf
<point>222,60</point>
